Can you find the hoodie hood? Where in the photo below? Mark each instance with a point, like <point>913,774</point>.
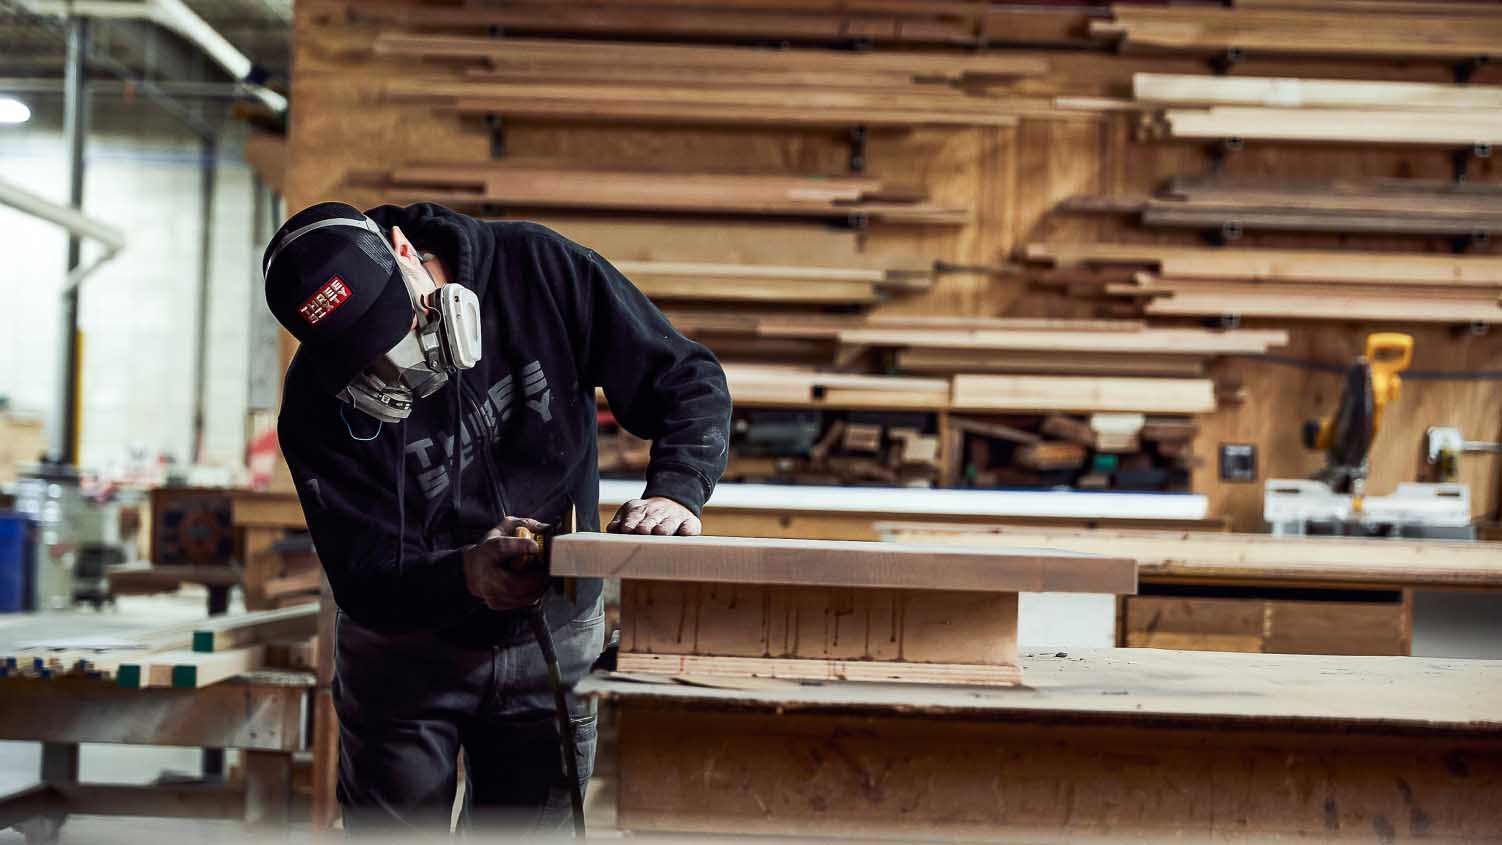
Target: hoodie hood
<point>462,241</point>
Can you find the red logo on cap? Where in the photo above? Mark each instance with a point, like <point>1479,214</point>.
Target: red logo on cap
<point>334,294</point>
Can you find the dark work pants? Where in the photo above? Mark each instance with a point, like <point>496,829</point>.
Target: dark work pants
<point>408,703</point>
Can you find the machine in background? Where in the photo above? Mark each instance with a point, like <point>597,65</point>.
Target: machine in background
<point>1334,501</point>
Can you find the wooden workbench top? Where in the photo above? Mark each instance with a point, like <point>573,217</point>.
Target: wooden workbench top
<point>1143,686</point>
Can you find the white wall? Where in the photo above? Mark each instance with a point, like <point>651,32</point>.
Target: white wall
<point>137,312</point>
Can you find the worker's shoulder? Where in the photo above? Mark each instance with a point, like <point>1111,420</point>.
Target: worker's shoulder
<point>534,238</point>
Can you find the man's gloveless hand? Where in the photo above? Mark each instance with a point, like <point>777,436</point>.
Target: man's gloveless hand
<point>496,569</point>
<point>656,515</point>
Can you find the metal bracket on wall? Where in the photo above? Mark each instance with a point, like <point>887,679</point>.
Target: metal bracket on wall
<point>1221,64</point>
<point>497,130</point>
<point>1222,151</point>
<point>1463,71</point>
<point>857,140</point>
<point>1461,159</point>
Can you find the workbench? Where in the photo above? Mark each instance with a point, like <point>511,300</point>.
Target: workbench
<point>1136,745</point>
<point>263,714</point>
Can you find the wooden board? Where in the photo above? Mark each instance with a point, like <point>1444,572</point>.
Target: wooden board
<point>834,563</point>
<point>235,630</point>
<point>194,669</point>
<point>1284,92</point>
<point>1249,558</point>
<point>1189,342</point>
<point>1433,127</point>
<point>1067,393</point>
<point>693,667</point>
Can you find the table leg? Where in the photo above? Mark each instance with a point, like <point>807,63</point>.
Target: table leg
<point>59,769</point>
<point>212,765</point>
<point>268,788</point>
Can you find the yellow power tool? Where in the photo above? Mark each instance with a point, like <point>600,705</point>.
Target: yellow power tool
<point>1371,382</point>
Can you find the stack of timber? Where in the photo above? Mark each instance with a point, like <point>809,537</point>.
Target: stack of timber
<point>826,609</point>
<point>1422,207</point>
<point>1283,284</point>
<point>948,345</point>
<point>1096,452</point>
<point>636,83</point>
<point>190,655</point>
<point>768,284</point>
<point>968,23</point>
<point>1322,110</point>
<point>520,184</point>
<point>1334,32</point>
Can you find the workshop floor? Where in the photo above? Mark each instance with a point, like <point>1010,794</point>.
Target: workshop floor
<point>20,762</point>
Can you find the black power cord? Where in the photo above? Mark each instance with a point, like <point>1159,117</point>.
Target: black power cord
<point>544,637</point>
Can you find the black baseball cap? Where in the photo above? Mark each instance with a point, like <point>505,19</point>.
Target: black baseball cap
<point>333,283</point>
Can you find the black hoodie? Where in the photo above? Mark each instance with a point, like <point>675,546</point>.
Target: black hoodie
<point>558,322</point>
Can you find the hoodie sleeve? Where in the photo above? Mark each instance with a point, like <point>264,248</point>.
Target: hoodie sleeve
<point>661,386</point>
<point>381,576</point>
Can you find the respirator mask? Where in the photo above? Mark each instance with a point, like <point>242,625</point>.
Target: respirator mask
<point>445,337</point>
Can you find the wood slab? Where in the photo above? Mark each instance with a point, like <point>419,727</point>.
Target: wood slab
<point>1201,556</point>
<point>1139,687</point>
<point>837,563</point>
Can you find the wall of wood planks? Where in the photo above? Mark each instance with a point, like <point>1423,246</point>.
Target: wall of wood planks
<point>1011,177</point>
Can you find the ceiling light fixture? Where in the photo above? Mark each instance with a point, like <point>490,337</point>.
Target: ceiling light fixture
<point>13,110</point>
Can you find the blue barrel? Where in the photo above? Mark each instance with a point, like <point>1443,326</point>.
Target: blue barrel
<point>17,565</point>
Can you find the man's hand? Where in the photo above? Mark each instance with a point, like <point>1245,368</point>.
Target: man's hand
<point>496,568</point>
<point>655,516</point>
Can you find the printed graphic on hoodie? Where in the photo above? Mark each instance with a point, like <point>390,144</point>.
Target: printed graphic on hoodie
<point>434,460</point>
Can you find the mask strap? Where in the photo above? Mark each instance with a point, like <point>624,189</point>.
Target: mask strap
<point>379,425</point>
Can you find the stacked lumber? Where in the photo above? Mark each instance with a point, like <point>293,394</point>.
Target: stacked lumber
<point>1284,284</point>
<point>793,387</point>
<point>189,655</point>
<point>673,281</point>
<point>976,392</point>
<point>518,184</point>
<point>1095,452</point>
<point>948,345</point>
<point>1321,110</point>
<point>1322,32</point>
<point>1386,207</point>
<point>624,82</point>
<point>841,22</point>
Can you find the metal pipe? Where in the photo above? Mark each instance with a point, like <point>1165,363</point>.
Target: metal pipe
<point>76,222</point>
<point>176,16</point>
<point>64,446</point>
<point>205,273</point>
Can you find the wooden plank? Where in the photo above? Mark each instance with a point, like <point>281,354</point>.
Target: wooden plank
<point>1287,303</point>
<point>1070,393</point>
<point>720,289</point>
<point>1150,688</point>
<point>1285,92</point>
<point>196,669</point>
<point>1251,558</point>
<point>995,430</point>
<point>693,666</point>
<point>950,361</point>
<point>848,625</point>
<point>1051,456</point>
<point>791,387</point>
<point>235,630</point>
<point>1348,266</point>
<point>262,711</point>
<point>1393,126</point>
<point>834,563</point>
<point>1197,342</point>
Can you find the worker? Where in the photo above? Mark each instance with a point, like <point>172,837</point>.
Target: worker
<point>442,396</point>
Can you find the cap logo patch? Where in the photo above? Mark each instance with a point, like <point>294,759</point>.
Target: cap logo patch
<point>333,294</point>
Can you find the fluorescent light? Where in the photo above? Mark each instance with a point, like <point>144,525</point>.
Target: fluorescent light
<point>13,110</point>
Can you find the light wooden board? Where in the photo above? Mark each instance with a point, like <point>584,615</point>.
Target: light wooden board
<point>1143,687</point>
<point>1189,342</point>
<point>1433,127</point>
<point>235,630</point>
<point>937,361</point>
<point>834,563</point>
<point>1285,92</point>
<point>195,669</point>
<point>694,667</point>
<point>1201,556</point>
<point>1081,393</point>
